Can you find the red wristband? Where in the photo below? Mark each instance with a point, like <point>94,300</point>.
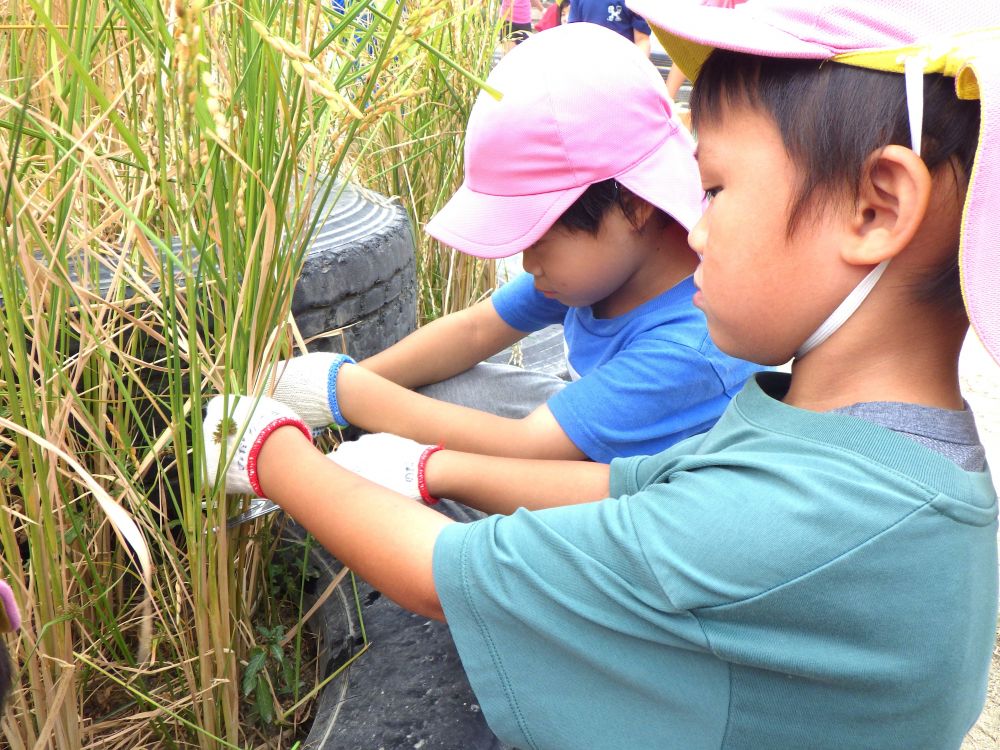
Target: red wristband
<point>425,494</point>
<point>258,443</point>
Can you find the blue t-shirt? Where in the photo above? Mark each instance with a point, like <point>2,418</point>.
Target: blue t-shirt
<point>647,378</point>
<point>788,580</point>
<point>613,15</point>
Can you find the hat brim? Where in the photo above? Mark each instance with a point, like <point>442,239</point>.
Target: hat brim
<point>979,254</point>
<point>668,178</point>
<point>498,226</point>
<point>706,28</point>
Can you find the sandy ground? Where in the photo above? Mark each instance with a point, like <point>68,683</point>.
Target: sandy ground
<point>981,384</point>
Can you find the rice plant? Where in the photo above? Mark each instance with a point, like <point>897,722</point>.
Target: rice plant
<point>158,167</point>
<point>416,149</point>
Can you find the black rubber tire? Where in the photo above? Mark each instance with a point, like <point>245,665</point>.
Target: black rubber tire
<point>360,275</point>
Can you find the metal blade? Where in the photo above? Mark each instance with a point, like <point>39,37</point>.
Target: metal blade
<point>258,507</point>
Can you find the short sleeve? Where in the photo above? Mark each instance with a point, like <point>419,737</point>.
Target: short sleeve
<point>726,524</point>
<point>520,305</point>
<point>640,603</point>
<point>555,612</point>
<point>639,24</point>
<point>647,397</point>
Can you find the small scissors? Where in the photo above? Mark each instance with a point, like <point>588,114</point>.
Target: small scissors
<point>258,508</point>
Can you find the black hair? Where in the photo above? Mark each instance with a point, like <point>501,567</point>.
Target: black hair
<point>833,117</point>
<point>559,13</point>
<point>589,210</point>
<point>561,8</point>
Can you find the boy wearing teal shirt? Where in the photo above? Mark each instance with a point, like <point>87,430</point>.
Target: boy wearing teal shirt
<point>717,600</point>
<point>818,570</point>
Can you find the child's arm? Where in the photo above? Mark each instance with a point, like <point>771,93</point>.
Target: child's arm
<point>502,485</point>
<point>376,395</point>
<point>675,79</point>
<point>445,347</point>
<point>378,405</point>
<point>487,483</point>
<point>384,536</point>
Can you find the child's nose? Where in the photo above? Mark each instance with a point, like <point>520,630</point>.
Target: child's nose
<point>697,237</point>
<point>529,261</point>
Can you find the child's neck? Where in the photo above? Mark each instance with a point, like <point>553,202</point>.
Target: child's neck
<point>882,366</point>
<point>669,261</point>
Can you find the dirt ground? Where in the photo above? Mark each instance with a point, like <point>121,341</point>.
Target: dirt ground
<point>981,385</point>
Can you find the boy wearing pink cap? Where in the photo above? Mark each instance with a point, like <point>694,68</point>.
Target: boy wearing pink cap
<point>819,570</point>
<point>588,174</point>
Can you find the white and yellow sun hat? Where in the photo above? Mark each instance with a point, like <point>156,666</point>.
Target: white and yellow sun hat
<point>912,37</point>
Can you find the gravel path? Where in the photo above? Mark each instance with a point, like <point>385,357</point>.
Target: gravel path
<point>981,385</point>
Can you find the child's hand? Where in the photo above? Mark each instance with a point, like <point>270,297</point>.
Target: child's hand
<point>394,462</point>
<point>309,385</point>
<point>243,430</point>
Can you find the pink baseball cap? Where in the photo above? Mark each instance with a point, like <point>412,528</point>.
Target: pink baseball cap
<point>911,37</point>
<point>10,616</point>
<point>581,104</point>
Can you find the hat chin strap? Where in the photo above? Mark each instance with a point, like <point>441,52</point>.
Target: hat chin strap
<point>913,72</point>
<point>844,311</point>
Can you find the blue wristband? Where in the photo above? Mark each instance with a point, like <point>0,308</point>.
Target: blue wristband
<point>331,390</point>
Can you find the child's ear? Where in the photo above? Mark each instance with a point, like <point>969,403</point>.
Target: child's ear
<point>640,211</point>
<point>891,206</point>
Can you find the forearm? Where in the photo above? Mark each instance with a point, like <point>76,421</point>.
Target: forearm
<point>502,485</point>
<point>377,405</point>
<point>444,347</point>
<point>675,79</point>
<point>384,537</point>
<point>642,42</point>
<point>424,356</point>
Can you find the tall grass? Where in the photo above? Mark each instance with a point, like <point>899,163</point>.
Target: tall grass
<point>157,168</point>
<point>416,150</point>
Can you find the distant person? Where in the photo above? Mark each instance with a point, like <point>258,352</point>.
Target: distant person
<point>516,16</point>
<point>676,76</point>
<point>554,15</point>
<point>615,16</point>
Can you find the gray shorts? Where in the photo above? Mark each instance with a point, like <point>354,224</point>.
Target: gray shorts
<point>504,390</point>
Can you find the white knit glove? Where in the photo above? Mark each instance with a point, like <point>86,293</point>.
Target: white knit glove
<point>394,462</point>
<point>308,384</point>
<point>249,422</point>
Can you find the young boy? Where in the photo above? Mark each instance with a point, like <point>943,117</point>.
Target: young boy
<point>819,570</point>
<point>585,171</point>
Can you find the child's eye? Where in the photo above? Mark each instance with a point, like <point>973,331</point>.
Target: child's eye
<point>710,193</point>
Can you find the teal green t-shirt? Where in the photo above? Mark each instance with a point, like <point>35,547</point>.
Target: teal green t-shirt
<point>789,579</point>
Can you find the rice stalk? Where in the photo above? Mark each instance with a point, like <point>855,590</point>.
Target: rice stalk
<point>416,151</point>
<point>159,166</point>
